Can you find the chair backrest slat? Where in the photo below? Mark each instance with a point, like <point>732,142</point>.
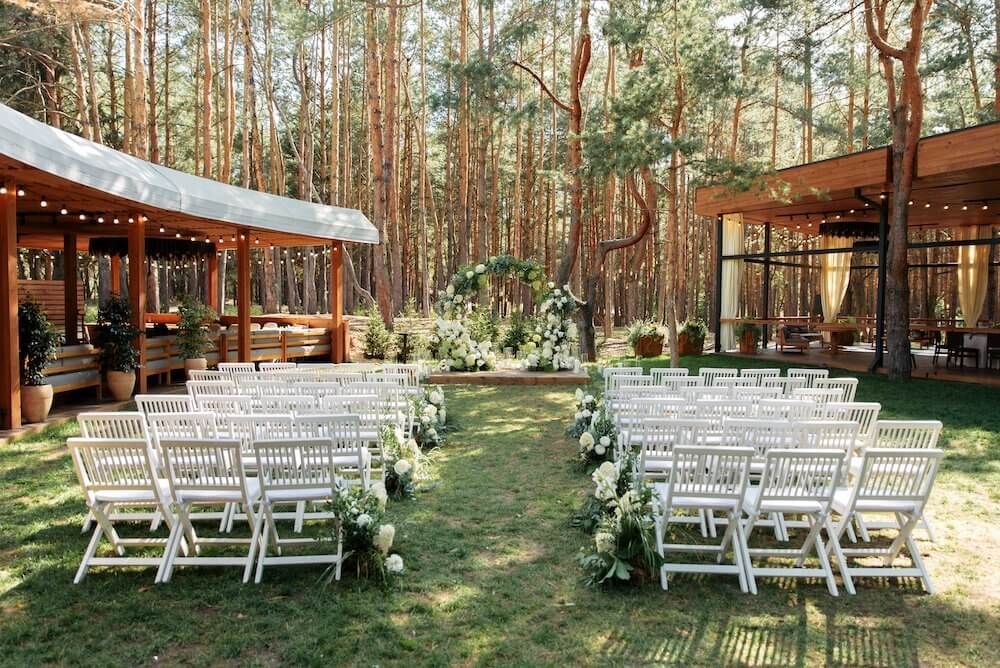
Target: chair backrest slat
<point>164,403</point>
<point>120,425</point>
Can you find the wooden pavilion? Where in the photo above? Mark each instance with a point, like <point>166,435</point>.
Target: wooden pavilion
<point>61,192</point>
<point>844,203</point>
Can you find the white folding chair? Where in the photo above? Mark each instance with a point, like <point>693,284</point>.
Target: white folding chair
<point>897,482</point>
<point>206,374</point>
<point>121,425</point>
<point>294,404</point>
<point>344,432</point>
<point>796,482</point>
<point>206,473</point>
<point>759,374</point>
<point>225,404</point>
<point>864,413</point>
<point>705,479</point>
<point>164,403</point>
<point>611,371</point>
<point>756,394</point>
<point>660,374</point>
<point>786,409</point>
<point>849,386</point>
<point>117,472</point>
<point>199,387</point>
<point>736,383</point>
<point>267,367</point>
<point>808,376</point>
<point>180,426</point>
<point>657,438</point>
<point>787,384</point>
<point>712,374</point>
<point>295,471</point>
<point>237,367</point>
<point>821,396</point>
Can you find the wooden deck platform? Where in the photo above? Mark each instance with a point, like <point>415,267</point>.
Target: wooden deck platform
<point>508,377</point>
<point>858,358</point>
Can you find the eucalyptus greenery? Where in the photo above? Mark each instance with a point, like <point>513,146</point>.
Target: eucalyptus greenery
<point>116,335</point>
<point>192,337</point>
<point>39,341</point>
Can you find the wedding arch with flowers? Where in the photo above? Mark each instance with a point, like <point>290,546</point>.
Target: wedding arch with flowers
<point>551,343</point>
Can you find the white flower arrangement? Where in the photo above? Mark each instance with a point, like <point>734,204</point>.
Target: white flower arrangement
<point>432,419</point>
<point>555,335</point>
<point>457,351</point>
<point>394,564</point>
<point>385,537</point>
<point>367,540</point>
<point>402,459</point>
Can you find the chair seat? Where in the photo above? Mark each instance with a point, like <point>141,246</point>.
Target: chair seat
<point>219,495</point>
<point>696,502</point>
<point>291,495</point>
<point>842,500</point>
<point>126,496</point>
<point>751,499</point>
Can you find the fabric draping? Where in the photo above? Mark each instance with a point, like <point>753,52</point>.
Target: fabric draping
<point>973,273</point>
<point>732,276</point>
<point>835,275</point>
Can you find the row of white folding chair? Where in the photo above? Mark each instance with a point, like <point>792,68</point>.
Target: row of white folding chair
<point>801,482</point>
<point>203,473</point>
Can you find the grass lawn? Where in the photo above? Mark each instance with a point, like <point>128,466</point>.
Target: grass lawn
<point>491,572</point>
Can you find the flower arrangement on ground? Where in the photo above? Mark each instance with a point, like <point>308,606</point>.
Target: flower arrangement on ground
<point>586,408</point>
<point>551,346</point>
<point>402,458</point>
<point>430,419</point>
<point>598,442</point>
<point>367,539</point>
<point>452,344</point>
<point>624,545</point>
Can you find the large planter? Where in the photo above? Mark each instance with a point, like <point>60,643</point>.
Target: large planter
<point>748,344</point>
<point>649,346</point>
<point>685,346</point>
<point>195,364</point>
<point>36,402</point>
<point>121,384</point>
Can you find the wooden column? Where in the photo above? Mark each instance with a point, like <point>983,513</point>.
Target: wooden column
<point>137,289</point>
<point>10,372</point>
<point>338,344</point>
<point>70,286</point>
<point>243,293</point>
<point>766,287</point>
<point>211,283</point>
<point>116,275</point>
<point>717,306</point>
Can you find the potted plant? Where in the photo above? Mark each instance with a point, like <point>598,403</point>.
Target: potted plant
<point>119,355</point>
<point>192,337</point>
<point>39,342</point>
<point>747,334</point>
<point>645,338</point>
<point>691,338</point>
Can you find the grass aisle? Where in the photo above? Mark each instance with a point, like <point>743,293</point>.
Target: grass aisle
<point>491,573</point>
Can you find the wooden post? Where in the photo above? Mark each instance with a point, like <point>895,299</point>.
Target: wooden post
<point>10,368</point>
<point>70,284</point>
<point>137,289</point>
<point>338,343</point>
<point>116,275</point>
<point>243,293</point>
<point>717,306</point>
<point>766,287</point>
<point>211,283</point>
<point>883,241</point>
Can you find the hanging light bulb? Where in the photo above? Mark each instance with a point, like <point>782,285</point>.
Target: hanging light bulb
<point>965,207</point>
<point>192,239</point>
<point>3,190</point>
<point>20,192</point>
<point>946,207</point>
<point>131,220</point>
<point>43,204</point>
<point>928,205</point>
<point>83,216</point>
<point>178,235</point>
<point>233,238</point>
<point>910,202</point>
<point>63,211</point>
<point>220,240</point>
<point>162,229</point>
<point>257,240</point>
<point>986,206</point>
<point>116,221</point>
<point>100,219</point>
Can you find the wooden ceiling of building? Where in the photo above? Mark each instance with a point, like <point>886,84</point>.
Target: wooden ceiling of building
<point>957,184</point>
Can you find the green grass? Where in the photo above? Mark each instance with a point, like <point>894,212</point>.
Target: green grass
<point>491,574</point>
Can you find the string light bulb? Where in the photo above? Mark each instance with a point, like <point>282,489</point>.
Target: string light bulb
<point>985,207</point>
<point>100,219</point>
<point>178,235</point>
<point>162,229</point>
<point>116,221</point>
<point>83,216</point>
<point>43,204</point>
<point>3,190</point>
<point>64,211</point>
<point>20,192</point>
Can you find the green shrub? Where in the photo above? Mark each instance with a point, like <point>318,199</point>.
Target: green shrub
<point>484,325</point>
<point>696,331</point>
<point>518,333</point>
<point>639,329</point>
<point>39,342</point>
<point>116,335</point>
<point>378,338</point>
<point>192,337</point>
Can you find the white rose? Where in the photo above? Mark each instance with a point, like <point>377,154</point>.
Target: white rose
<point>605,441</point>
<point>394,564</point>
<point>430,410</point>
<point>469,274</point>
<point>378,490</point>
<point>436,397</point>
<point>402,467</point>
<point>458,298</point>
<point>364,519</point>
<point>605,542</point>
<point>470,361</point>
<point>383,540</point>
<point>599,450</point>
<point>480,268</point>
<point>587,440</point>
<point>551,285</point>
<point>451,290</point>
<point>578,394</point>
<point>442,416</point>
<point>432,433</point>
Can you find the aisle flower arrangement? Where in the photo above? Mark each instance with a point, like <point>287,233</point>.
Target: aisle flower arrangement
<point>402,459</point>
<point>598,441</point>
<point>456,350</point>
<point>554,340</point>
<point>586,408</point>
<point>367,539</point>
<point>430,419</point>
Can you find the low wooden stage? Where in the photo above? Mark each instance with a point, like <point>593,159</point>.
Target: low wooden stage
<point>508,377</point>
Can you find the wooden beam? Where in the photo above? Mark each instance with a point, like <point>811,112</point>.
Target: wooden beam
<point>10,371</point>
<point>137,289</point>
<point>243,293</point>
<point>71,313</point>
<point>116,275</point>
<point>212,282</point>
<point>338,340</point>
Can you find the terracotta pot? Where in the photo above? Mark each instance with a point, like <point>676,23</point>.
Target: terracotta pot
<point>195,364</point>
<point>748,344</point>
<point>121,384</point>
<point>36,402</point>
<point>649,346</point>
<point>686,347</point>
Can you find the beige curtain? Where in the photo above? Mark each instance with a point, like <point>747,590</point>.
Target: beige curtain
<point>732,276</point>
<point>973,273</point>
<point>835,274</point>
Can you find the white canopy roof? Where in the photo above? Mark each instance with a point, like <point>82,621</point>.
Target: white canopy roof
<point>115,173</point>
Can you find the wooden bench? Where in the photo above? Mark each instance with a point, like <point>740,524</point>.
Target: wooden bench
<point>74,368</point>
<point>794,339</point>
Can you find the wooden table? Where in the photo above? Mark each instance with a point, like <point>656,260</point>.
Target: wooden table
<point>836,330</point>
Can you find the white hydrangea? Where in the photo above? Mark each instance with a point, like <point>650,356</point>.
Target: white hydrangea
<point>384,538</point>
<point>378,489</point>
<point>586,440</point>
<point>605,542</point>
<point>394,564</point>
<point>402,467</point>
<point>363,520</point>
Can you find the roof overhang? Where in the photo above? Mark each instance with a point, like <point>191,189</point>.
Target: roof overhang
<point>98,180</point>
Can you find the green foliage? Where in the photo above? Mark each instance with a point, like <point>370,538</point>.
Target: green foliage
<point>378,338</point>
<point>517,332</point>
<point>639,329</point>
<point>192,337</point>
<point>742,327</point>
<point>39,341</point>
<point>410,308</point>
<point>484,325</point>
<point>116,335</point>
<point>695,331</point>
<point>367,540</point>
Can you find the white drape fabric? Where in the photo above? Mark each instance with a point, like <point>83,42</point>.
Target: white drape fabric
<point>732,276</point>
<point>973,273</point>
<point>835,274</point>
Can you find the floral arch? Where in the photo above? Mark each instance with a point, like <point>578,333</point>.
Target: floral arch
<point>553,340</point>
